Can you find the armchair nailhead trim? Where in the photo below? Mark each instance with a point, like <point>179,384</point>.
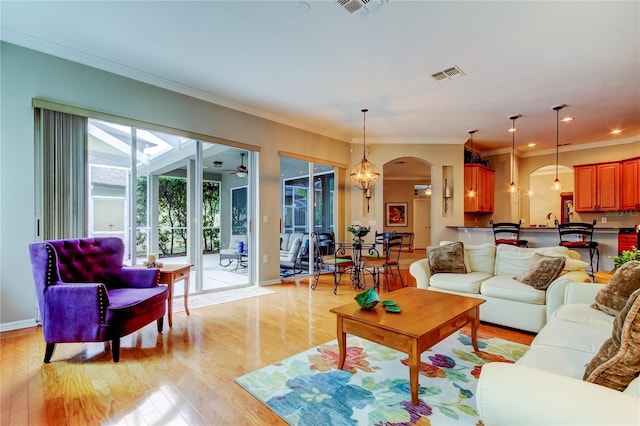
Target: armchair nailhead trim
<point>101,303</point>
<point>49,263</point>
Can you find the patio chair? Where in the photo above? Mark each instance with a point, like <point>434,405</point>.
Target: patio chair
<point>86,294</point>
<point>231,253</point>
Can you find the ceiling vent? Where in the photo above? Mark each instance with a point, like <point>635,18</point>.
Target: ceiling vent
<point>448,74</point>
<point>360,7</point>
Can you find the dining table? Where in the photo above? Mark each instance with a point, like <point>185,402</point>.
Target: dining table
<point>359,251</point>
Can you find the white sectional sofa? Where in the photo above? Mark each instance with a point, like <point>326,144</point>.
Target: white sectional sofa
<point>546,386</point>
<point>490,273</point>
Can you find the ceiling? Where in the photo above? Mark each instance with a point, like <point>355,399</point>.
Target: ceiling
<point>313,65</point>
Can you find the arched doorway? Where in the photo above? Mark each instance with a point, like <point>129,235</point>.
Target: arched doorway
<point>547,204</point>
<point>407,184</point>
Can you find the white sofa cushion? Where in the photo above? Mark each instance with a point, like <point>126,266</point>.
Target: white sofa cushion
<point>634,387</point>
<point>561,361</point>
<point>586,338</point>
<point>582,313</point>
<point>478,258</point>
<point>505,287</point>
<point>481,257</point>
<point>512,260</point>
<point>464,283</point>
<point>509,394</point>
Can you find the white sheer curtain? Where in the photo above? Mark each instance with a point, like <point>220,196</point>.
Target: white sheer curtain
<point>61,175</point>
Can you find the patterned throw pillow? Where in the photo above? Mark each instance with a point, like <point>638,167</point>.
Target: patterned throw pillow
<point>617,362</point>
<point>541,270</point>
<point>612,298</point>
<point>447,258</point>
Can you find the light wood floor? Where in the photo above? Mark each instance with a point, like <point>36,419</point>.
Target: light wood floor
<point>185,375</point>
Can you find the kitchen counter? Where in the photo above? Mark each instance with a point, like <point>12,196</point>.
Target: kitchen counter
<point>538,236</point>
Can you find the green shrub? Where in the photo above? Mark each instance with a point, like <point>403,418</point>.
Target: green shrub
<point>624,257</point>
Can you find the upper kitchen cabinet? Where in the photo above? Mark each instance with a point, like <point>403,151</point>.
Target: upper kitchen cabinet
<point>481,179</point>
<point>597,187</point>
<point>630,182</point>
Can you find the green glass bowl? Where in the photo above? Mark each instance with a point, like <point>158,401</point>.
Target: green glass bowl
<point>367,300</point>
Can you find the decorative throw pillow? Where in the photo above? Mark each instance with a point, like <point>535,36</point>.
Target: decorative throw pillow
<point>447,258</point>
<point>617,362</point>
<point>612,298</point>
<point>541,270</point>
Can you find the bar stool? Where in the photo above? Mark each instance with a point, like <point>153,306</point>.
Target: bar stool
<point>508,233</point>
<point>579,235</point>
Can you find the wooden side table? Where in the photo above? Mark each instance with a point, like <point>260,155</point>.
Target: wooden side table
<point>169,274</point>
<point>603,277</point>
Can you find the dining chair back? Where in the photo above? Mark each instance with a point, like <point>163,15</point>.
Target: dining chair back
<point>327,260</point>
<point>388,260</point>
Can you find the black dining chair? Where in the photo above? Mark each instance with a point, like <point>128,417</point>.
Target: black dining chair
<point>388,261</point>
<point>326,259</point>
<point>508,233</point>
<point>579,235</point>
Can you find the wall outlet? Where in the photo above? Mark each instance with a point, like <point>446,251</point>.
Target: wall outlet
<point>604,220</point>
<point>265,258</point>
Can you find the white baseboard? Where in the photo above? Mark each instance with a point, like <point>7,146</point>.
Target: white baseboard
<point>16,325</point>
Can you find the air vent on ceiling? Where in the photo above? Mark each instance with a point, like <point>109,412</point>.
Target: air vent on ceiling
<point>448,74</point>
<point>360,7</point>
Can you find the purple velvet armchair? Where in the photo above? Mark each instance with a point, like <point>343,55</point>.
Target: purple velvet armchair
<point>85,294</point>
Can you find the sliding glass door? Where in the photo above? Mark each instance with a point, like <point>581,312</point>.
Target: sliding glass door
<point>308,191</point>
<point>165,195</point>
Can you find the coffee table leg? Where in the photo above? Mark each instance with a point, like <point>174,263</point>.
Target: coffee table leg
<point>342,344</point>
<point>414,369</point>
<point>474,316</point>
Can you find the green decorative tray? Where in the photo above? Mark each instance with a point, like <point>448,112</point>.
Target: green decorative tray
<point>393,309</point>
<point>389,303</point>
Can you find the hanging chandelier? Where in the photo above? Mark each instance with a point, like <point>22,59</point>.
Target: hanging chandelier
<point>364,174</point>
<point>472,192</point>
<point>556,183</point>
<point>513,130</point>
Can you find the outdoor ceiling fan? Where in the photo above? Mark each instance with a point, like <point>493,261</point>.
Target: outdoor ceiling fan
<point>241,171</point>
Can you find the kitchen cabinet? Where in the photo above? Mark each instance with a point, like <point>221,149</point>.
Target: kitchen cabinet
<point>481,179</point>
<point>630,182</point>
<point>597,187</point>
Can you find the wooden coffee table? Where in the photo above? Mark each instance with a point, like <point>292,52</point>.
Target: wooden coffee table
<point>427,317</point>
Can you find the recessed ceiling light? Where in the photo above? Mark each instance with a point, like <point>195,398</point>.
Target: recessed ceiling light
<point>616,132</point>
<point>566,119</point>
<point>531,144</point>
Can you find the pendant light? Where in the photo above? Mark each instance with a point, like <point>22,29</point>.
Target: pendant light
<point>513,130</point>
<point>472,192</point>
<point>364,174</point>
<point>556,183</point>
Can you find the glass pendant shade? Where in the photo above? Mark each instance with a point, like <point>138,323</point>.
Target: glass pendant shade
<point>364,174</point>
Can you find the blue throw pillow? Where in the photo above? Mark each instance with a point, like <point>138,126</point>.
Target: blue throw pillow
<point>305,247</point>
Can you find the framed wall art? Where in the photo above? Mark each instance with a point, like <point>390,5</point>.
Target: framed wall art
<point>396,214</point>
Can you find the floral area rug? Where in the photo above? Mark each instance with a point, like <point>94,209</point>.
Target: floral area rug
<point>373,388</point>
